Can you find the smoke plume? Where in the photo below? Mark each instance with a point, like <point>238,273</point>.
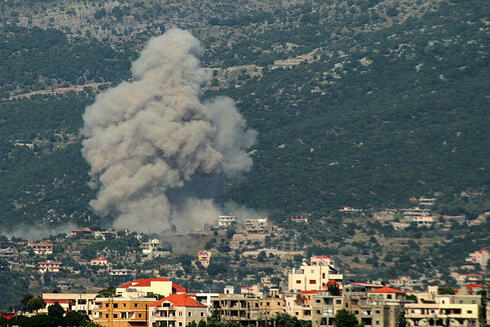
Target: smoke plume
<point>152,135</point>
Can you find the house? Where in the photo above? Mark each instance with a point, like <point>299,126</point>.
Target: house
<point>257,226</point>
<point>177,310</point>
<point>462,279</point>
<point>299,304</point>
<point>204,258</point>
<point>161,286</point>
<point>314,275</point>
<point>226,221</point>
<point>81,232</point>
<point>426,202</point>
<point>42,248</point>
<point>49,266</point>
<point>480,257</point>
<point>125,311</point>
<point>99,262</point>
<point>78,302</point>
<point>121,272</point>
<point>404,282</point>
<point>387,295</point>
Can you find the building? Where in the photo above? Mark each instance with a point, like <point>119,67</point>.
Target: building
<point>324,308</point>
<point>434,309</point>
<point>99,262</point>
<point>152,248</point>
<point>49,266</point>
<point>126,311</point>
<point>463,279</point>
<point>176,310</point>
<point>314,275</point>
<point>42,248</point>
<point>81,232</point>
<point>257,226</point>
<point>480,257</point>
<point>299,304</point>
<point>426,202</point>
<point>121,272</point>
<point>79,302</point>
<point>226,221</point>
<point>405,282</point>
<point>204,258</point>
<point>161,286</point>
<point>423,220</point>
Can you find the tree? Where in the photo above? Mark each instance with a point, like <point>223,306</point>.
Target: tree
<point>25,299</point>
<point>35,304</point>
<point>344,318</point>
<point>56,311</point>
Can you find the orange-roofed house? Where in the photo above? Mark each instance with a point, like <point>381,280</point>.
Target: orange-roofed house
<point>387,295</point>
<point>176,310</point>
<point>161,286</point>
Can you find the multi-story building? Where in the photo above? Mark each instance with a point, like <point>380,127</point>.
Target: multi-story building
<point>434,309</point>
<point>42,248</point>
<point>370,309</point>
<point>176,310</point>
<point>79,302</point>
<point>257,225</point>
<point>462,279</point>
<point>49,266</point>
<point>315,275</point>
<point>130,310</point>
<point>405,282</point>
<point>226,221</point>
<point>121,272</point>
<point>99,262</point>
<point>161,286</point>
<point>299,304</point>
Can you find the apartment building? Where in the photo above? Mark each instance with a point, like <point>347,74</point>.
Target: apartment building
<point>99,262</point>
<point>176,310</point>
<point>79,302</point>
<point>49,266</point>
<point>299,304</point>
<point>315,275</point>
<point>480,257</point>
<point>204,258</point>
<point>257,225</point>
<point>405,282</point>
<point>239,308</point>
<point>42,248</point>
<point>125,311</point>
<point>226,221</point>
<point>439,314</point>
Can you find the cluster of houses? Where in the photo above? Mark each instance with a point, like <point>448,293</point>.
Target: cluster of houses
<point>316,291</point>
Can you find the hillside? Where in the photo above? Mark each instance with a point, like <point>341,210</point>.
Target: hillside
<point>357,103</point>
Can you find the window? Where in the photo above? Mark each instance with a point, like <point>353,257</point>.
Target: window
<point>189,314</point>
<point>180,323</point>
<point>139,315</point>
<point>338,301</point>
<point>298,282</point>
<point>377,322</point>
<point>114,315</point>
<point>388,296</point>
<point>136,305</point>
<point>323,275</point>
<point>107,305</point>
<point>202,314</point>
<point>114,305</point>
<point>124,304</point>
<point>470,311</point>
<point>312,281</point>
<point>318,301</point>
<point>377,311</point>
<point>107,315</point>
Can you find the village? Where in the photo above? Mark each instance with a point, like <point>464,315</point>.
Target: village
<point>244,270</point>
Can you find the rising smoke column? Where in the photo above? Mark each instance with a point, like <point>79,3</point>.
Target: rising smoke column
<point>146,137</point>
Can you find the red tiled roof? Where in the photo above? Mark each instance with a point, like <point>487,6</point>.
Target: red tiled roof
<point>144,282</point>
<point>471,275</point>
<point>322,257</point>
<point>56,300</point>
<point>178,289</point>
<point>470,287</point>
<point>99,259</point>
<point>386,289</point>
<point>179,300</point>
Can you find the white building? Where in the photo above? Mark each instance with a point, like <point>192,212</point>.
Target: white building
<point>49,266</point>
<point>226,221</point>
<point>315,275</point>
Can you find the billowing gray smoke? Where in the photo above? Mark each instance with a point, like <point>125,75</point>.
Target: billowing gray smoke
<point>146,137</point>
